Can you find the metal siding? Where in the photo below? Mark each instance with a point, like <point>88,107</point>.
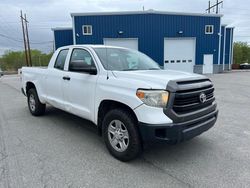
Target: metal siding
<point>232,46</point>
<point>228,45</point>
<point>222,44</point>
<point>63,38</point>
<point>151,29</point>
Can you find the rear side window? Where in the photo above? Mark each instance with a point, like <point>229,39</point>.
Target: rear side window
<point>60,60</point>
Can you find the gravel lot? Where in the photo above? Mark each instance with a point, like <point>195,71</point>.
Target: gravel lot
<point>62,150</point>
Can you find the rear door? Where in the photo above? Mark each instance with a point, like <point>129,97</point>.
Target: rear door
<point>79,91</point>
<point>54,80</point>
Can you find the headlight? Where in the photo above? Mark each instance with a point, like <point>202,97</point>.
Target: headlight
<point>155,98</point>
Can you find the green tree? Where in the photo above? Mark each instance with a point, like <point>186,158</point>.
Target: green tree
<point>11,61</point>
<point>241,53</point>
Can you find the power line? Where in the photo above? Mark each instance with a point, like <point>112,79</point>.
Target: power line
<point>45,42</point>
<point>215,5</point>
<point>4,43</point>
<point>7,28</point>
<point>20,40</point>
<point>13,40</point>
<point>10,38</point>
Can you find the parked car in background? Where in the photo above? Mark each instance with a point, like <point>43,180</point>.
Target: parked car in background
<point>245,66</point>
<point>130,99</point>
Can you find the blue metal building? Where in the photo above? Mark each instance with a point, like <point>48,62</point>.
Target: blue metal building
<point>181,41</point>
<point>226,57</point>
<point>63,36</point>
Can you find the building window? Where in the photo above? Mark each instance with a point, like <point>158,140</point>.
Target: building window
<point>87,29</point>
<point>209,29</point>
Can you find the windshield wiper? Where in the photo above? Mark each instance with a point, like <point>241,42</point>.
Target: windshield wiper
<point>130,69</point>
<point>141,69</point>
<point>154,69</point>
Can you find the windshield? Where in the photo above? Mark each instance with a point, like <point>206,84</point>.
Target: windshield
<point>125,60</point>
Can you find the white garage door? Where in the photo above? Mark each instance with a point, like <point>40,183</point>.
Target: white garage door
<point>121,42</point>
<point>179,54</point>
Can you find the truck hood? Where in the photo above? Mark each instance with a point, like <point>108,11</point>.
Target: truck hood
<point>155,79</point>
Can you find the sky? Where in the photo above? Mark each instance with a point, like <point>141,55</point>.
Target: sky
<point>45,14</point>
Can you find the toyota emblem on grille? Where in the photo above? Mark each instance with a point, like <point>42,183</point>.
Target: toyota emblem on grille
<point>203,97</point>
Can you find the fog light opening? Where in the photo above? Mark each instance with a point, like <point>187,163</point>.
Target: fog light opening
<point>160,133</point>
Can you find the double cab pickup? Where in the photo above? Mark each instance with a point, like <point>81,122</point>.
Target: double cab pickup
<point>130,99</point>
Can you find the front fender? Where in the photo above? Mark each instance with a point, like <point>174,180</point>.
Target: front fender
<point>118,93</point>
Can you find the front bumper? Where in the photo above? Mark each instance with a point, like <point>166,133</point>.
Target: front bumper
<point>177,132</point>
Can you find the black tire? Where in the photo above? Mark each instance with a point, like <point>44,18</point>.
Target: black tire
<point>134,145</point>
<point>37,108</point>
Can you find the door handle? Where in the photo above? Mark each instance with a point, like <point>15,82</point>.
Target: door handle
<point>66,78</point>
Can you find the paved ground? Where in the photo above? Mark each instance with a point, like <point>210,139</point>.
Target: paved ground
<point>62,150</point>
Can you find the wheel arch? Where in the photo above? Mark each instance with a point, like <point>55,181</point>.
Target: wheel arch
<point>105,106</point>
<point>30,85</point>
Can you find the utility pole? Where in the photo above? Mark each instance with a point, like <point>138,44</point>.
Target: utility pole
<point>24,41</point>
<point>217,8</point>
<point>209,4</point>
<point>215,5</point>
<point>28,41</point>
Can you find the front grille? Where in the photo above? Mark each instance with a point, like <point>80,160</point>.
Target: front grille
<point>187,98</point>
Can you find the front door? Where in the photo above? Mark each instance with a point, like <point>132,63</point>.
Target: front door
<point>79,90</point>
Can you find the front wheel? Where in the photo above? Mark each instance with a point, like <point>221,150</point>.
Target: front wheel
<point>35,106</point>
<point>121,135</point>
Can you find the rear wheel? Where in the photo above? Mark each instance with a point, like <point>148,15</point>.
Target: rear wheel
<point>121,135</point>
<point>35,106</point>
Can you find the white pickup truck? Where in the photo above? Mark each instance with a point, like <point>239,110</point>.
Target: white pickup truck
<point>125,94</point>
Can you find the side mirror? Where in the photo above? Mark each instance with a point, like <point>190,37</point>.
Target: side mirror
<point>81,66</point>
<point>92,70</point>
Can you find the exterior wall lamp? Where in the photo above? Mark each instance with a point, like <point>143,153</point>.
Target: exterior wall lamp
<point>120,32</point>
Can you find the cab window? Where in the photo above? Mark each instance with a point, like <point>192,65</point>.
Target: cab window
<point>61,58</point>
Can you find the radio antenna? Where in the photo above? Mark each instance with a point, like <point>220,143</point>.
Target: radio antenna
<point>106,50</point>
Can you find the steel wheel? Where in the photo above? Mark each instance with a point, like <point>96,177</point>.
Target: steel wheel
<point>118,135</point>
<point>35,106</point>
<point>32,102</point>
